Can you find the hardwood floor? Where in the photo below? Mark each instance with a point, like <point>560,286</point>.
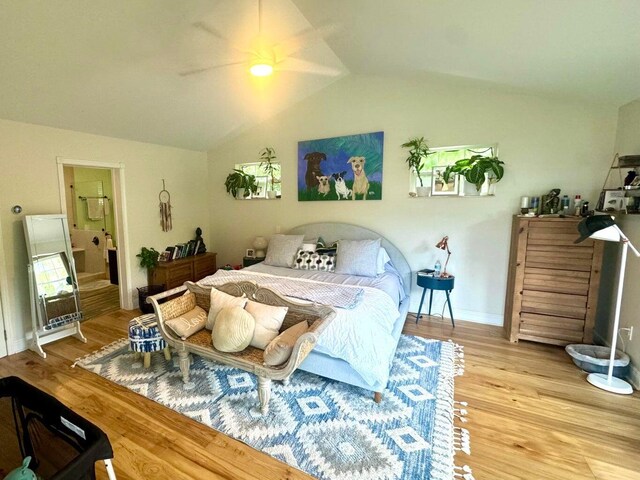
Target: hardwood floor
<point>532,415</point>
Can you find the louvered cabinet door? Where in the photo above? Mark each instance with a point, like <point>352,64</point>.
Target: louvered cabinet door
<point>553,283</point>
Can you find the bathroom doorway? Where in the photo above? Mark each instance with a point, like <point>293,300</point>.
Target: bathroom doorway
<point>89,197</point>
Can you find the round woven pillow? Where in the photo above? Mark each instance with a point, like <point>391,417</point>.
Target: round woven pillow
<point>233,329</point>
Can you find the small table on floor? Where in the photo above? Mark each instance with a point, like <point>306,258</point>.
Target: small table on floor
<point>426,280</point>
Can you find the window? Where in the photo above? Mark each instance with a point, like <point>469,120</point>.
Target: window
<point>443,156</point>
<point>263,179</point>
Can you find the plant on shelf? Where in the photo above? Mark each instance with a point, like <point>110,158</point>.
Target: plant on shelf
<point>267,157</point>
<point>476,170</point>
<point>418,152</point>
<point>148,258</point>
<point>240,184</point>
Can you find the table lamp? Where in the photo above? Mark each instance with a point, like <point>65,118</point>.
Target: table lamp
<point>259,244</point>
<point>444,245</point>
<point>602,227</point>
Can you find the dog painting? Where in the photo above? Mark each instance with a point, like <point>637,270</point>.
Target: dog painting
<point>341,168</point>
<point>342,191</point>
<point>313,170</point>
<point>323,185</point>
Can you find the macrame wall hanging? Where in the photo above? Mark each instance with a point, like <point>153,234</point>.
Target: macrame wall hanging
<point>165,209</point>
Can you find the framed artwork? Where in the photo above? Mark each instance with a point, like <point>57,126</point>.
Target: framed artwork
<point>261,182</point>
<point>341,168</point>
<point>439,186</point>
<point>250,253</point>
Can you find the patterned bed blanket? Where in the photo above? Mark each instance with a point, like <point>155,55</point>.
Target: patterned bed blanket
<point>322,293</point>
<point>361,336</point>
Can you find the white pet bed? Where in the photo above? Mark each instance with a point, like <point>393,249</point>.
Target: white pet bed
<point>595,359</point>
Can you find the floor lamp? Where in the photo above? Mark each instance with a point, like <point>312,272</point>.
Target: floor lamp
<point>602,227</point>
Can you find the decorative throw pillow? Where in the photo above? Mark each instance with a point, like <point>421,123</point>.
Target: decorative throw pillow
<point>358,257</point>
<point>383,258</point>
<point>268,322</point>
<point>178,306</point>
<point>233,329</point>
<point>279,349</point>
<point>282,250</point>
<point>188,323</point>
<point>220,300</point>
<point>323,262</point>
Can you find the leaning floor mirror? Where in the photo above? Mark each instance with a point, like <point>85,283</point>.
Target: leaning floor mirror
<point>53,283</point>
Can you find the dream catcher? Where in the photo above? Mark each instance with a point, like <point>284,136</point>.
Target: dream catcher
<point>165,209</point>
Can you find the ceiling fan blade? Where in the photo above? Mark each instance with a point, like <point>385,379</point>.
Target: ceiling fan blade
<point>299,42</point>
<point>217,35</point>
<point>205,69</point>
<point>297,65</point>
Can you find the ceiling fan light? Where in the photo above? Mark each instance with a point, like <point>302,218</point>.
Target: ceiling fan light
<point>261,69</point>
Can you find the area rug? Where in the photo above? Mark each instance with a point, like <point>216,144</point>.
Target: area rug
<point>328,429</point>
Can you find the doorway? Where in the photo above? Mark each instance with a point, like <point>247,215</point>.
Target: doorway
<point>91,195</point>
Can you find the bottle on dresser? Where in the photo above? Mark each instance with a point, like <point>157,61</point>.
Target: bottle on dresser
<point>577,205</point>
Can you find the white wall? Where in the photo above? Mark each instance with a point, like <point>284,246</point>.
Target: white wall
<point>545,142</point>
<point>627,143</point>
<point>30,179</point>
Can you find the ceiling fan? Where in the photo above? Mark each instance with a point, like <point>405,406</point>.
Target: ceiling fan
<point>263,57</point>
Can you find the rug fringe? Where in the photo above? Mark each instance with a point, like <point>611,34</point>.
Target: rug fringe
<point>112,347</point>
<point>463,472</point>
<point>461,436</point>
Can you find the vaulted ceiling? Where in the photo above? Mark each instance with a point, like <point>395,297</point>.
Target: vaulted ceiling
<point>126,68</point>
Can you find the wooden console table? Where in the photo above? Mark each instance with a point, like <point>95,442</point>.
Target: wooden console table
<point>174,273</point>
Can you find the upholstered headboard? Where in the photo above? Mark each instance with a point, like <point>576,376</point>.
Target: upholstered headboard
<point>332,231</point>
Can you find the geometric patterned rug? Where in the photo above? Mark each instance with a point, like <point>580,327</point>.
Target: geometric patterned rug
<point>328,429</point>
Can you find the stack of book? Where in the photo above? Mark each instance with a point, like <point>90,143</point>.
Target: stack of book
<point>180,250</point>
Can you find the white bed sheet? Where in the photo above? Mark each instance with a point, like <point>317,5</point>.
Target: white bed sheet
<point>361,336</point>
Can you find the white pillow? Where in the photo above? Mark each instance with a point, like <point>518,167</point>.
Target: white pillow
<point>383,258</point>
<point>220,300</point>
<point>268,322</point>
<point>282,250</point>
<point>358,257</point>
<point>233,330</point>
<point>188,323</point>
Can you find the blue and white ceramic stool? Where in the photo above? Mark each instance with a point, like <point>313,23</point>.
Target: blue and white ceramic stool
<point>144,338</point>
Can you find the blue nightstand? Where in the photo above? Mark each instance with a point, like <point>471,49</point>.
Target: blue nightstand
<point>426,280</point>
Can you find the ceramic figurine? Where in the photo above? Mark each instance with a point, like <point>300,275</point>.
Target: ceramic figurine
<point>202,248</point>
<point>23,472</point>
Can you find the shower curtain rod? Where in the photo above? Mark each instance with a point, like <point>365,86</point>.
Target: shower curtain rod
<point>84,198</point>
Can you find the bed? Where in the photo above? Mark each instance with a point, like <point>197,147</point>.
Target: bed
<point>359,345</point>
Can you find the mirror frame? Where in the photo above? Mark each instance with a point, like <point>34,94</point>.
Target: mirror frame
<point>45,329</point>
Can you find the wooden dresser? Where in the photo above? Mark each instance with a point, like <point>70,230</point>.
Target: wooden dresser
<point>552,289</point>
<point>175,272</point>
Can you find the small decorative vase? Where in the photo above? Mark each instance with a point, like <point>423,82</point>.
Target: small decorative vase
<point>271,194</point>
<point>240,194</point>
<point>423,191</point>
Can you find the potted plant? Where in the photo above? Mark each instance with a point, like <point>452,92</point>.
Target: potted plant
<point>483,172</point>
<point>418,152</point>
<point>267,157</point>
<point>240,184</point>
<point>148,258</point>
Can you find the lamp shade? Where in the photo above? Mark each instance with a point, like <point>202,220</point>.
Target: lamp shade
<point>260,243</point>
<point>591,226</point>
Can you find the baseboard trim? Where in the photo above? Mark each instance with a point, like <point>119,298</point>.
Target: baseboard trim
<point>634,377</point>
<point>17,346</point>
<point>470,316</point>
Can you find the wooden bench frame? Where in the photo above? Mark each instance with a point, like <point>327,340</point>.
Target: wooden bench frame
<point>250,359</point>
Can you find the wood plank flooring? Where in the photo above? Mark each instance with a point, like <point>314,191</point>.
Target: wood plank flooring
<point>532,415</point>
